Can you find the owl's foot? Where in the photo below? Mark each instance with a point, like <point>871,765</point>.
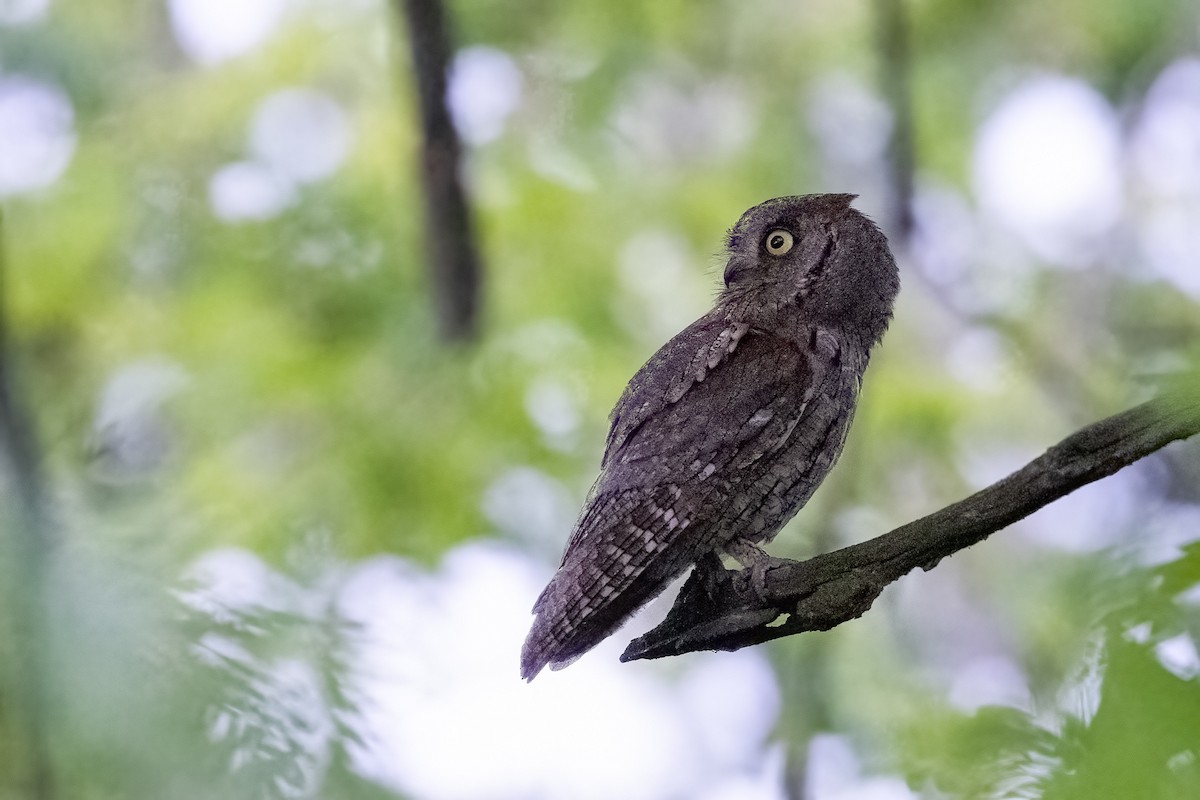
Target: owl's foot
<point>756,560</point>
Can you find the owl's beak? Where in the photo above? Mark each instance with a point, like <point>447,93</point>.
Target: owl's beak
<point>737,265</point>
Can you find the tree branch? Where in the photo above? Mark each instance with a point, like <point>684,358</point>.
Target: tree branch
<point>449,232</point>
<point>720,610</point>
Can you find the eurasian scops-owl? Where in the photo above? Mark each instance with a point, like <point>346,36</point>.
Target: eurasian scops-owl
<point>729,428</point>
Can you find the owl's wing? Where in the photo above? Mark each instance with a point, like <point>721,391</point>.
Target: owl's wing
<point>714,400</point>
<point>663,380</point>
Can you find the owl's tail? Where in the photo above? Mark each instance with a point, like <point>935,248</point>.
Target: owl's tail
<point>572,620</point>
<point>546,644</point>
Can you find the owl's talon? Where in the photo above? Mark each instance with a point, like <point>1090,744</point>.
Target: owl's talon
<point>755,561</point>
<point>758,581</point>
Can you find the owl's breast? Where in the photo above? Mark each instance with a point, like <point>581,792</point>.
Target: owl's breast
<point>772,485</point>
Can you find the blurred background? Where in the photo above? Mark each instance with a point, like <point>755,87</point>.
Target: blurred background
<point>278,491</point>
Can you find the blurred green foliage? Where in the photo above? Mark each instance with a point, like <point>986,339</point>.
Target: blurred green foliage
<point>317,399</point>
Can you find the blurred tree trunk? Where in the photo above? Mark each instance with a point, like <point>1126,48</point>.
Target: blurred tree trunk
<point>451,252</point>
<point>28,549</point>
<point>895,65</point>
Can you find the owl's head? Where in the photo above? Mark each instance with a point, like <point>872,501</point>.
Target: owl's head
<point>814,254</point>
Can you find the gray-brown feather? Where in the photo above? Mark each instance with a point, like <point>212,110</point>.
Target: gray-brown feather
<point>724,434</point>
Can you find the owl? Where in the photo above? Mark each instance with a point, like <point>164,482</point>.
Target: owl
<point>727,430</point>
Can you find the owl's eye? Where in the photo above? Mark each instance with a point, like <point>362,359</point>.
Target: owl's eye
<point>779,242</point>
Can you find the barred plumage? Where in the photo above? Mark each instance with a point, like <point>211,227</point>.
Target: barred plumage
<point>729,428</point>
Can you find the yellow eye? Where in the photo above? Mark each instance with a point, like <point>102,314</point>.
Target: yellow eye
<point>779,242</point>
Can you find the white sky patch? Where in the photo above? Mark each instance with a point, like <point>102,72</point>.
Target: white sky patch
<point>1178,656</point>
<point>302,134</point>
<point>733,704</point>
<point>23,12</point>
<point>658,270</point>
<point>1080,696</point>
<point>834,773</point>
<point>1166,141</point>
<point>1091,518</point>
<point>248,191</point>
<point>978,268</point>
<point>990,681</point>
<point>664,119</point>
<point>977,357</point>
<point>236,580</point>
<point>139,388</point>
<point>530,506</point>
<point>1171,243</point>
<point>762,783</point>
<point>1166,161</point>
<point>438,672</point>
<point>484,89</point>
<point>851,125</point>
<point>129,432</point>
<point>983,461</point>
<point>1164,535</point>
<point>1047,165</point>
<point>283,716</point>
<point>554,408</point>
<point>1190,597</point>
<point>946,238</point>
<point>432,666</point>
<point>287,703</point>
<point>37,136</point>
<point>555,162</point>
<point>546,342</point>
<point>212,31</point>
